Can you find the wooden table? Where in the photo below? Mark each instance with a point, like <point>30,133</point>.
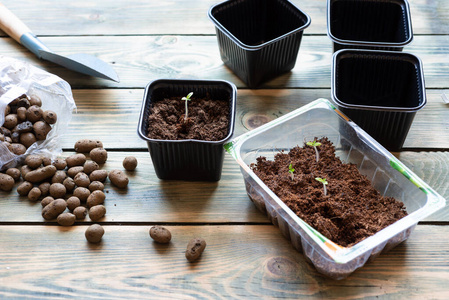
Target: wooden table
<point>246,257</point>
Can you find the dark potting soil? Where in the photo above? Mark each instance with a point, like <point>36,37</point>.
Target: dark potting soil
<point>207,120</point>
<point>351,211</point>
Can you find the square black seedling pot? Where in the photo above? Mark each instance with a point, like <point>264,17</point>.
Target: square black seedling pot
<point>369,24</point>
<point>194,160</point>
<point>381,91</point>
<point>258,39</point>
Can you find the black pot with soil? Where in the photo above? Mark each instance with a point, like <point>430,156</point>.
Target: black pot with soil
<point>188,147</point>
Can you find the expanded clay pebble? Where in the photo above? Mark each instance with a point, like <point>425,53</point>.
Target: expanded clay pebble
<point>75,170</point>
<point>96,186</point>
<point>6,182</point>
<point>47,200</point>
<point>97,212</point>
<point>45,188</point>
<point>69,184</point>
<point>160,234</point>
<point>98,175</point>
<point>33,161</point>
<point>80,212</point>
<point>86,145</point>
<point>82,179</point>
<point>94,233</point>
<point>118,178</point>
<point>14,173</point>
<point>54,209</point>
<point>130,163</point>
<point>24,188</point>
<point>57,190</point>
<point>73,202</point>
<point>98,155</point>
<point>66,219</point>
<point>95,198</point>
<point>41,174</point>
<point>59,177</point>
<point>34,194</point>
<point>60,163</point>
<point>75,160</point>
<point>82,193</point>
<point>90,166</point>
<point>195,248</point>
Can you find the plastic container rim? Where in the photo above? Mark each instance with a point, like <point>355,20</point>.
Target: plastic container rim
<point>369,43</point>
<point>260,46</point>
<point>339,254</point>
<point>191,81</point>
<point>373,107</point>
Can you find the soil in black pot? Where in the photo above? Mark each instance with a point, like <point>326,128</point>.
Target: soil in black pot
<point>208,119</point>
<point>352,209</point>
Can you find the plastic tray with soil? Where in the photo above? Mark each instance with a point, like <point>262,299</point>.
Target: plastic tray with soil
<point>331,196</point>
<point>331,237</point>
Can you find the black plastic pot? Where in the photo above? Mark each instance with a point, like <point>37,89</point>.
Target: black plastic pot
<point>194,160</point>
<point>258,39</point>
<point>369,24</point>
<point>381,91</point>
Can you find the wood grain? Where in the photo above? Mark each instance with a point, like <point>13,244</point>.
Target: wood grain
<point>134,17</point>
<point>98,111</point>
<point>149,199</point>
<point>242,262</point>
<point>141,59</point>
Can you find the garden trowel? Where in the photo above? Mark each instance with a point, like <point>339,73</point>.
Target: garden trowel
<point>82,63</point>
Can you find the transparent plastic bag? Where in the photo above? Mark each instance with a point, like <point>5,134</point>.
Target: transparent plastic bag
<point>18,78</point>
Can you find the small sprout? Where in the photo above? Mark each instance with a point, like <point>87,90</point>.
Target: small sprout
<point>315,144</point>
<point>324,182</point>
<point>187,98</point>
<point>291,170</point>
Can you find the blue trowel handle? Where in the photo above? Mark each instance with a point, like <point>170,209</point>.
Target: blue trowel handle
<point>16,29</point>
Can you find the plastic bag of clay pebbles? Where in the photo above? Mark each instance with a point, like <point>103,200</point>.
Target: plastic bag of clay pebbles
<point>20,80</point>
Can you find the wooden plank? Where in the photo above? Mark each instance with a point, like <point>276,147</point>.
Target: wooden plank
<point>141,59</point>
<point>432,167</point>
<point>149,199</point>
<point>244,262</point>
<point>101,110</point>
<point>125,17</point>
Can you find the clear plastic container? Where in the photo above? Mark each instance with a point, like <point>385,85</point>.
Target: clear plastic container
<point>387,174</point>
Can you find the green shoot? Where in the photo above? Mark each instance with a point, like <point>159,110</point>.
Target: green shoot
<point>291,170</point>
<point>324,182</point>
<point>315,144</point>
<point>187,98</point>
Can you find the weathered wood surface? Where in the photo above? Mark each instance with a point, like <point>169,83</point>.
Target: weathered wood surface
<point>135,17</point>
<point>239,262</point>
<point>246,257</point>
<point>98,111</point>
<point>141,59</point>
<point>148,199</point>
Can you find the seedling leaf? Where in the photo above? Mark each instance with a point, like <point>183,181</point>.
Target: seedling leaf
<point>187,98</point>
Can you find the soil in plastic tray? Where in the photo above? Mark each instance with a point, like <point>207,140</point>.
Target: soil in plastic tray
<point>352,208</point>
<point>207,120</point>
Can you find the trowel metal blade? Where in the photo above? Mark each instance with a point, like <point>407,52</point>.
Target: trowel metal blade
<point>82,63</point>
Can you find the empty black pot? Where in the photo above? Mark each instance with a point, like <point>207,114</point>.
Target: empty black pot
<point>381,91</point>
<point>369,24</point>
<point>258,39</point>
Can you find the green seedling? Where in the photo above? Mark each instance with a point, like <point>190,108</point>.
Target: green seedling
<point>186,99</point>
<point>324,182</point>
<point>291,170</point>
<point>315,144</point>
